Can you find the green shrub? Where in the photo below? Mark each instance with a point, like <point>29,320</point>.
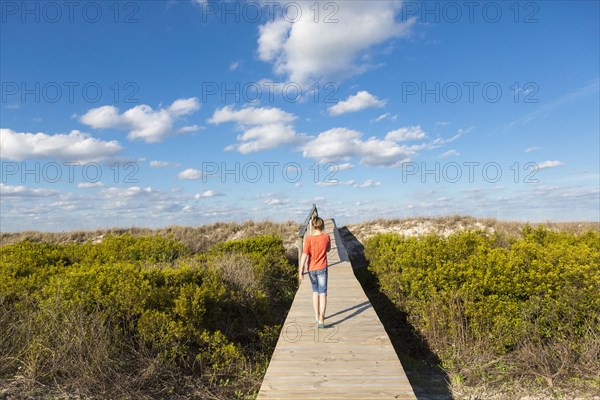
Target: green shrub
<point>139,310</point>
<point>480,304</point>
<point>275,275</point>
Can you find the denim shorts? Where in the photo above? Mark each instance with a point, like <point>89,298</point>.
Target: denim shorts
<point>318,279</point>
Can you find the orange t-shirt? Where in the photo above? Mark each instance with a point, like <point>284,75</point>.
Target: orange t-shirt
<point>316,247</point>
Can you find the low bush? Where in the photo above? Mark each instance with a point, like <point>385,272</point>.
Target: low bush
<point>496,312</point>
<point>136,316</point>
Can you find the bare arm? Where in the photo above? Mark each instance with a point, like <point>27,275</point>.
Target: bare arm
<point>303,261</point>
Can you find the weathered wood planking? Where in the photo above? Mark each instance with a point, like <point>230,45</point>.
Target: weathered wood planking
<point>352,358</point>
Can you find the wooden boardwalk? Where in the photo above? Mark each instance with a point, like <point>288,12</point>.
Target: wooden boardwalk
<point>352,358</point>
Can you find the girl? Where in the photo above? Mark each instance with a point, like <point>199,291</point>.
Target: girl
<point>315,251</point>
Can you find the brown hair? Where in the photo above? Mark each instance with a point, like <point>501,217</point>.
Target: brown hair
<point>318,223</point>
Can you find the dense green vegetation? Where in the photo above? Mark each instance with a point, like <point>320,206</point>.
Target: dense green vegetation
<point>500,311</point>
<point>135,317</point>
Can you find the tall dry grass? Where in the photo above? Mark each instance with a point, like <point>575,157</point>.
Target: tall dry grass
<point>197,238</point>
<point>446,225</point>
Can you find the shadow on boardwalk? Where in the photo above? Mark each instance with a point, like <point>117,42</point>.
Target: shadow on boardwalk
<point>357,309</point>
<point>422,366</point>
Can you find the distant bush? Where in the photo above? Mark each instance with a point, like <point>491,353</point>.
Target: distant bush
<point>495,312</point>
<point>131,316</point>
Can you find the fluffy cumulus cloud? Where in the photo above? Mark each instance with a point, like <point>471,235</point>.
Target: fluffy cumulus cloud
<point>143,122</point>
<point>264,137</point>
<point>342,144</point>
<point>189,174</point>
<point>334,43</point>
<point>333,145</point>
<point>207,194</point>
<point>383,153</point>
<point>73,146</point>
<point>358,102</point>
<point>263,128</point>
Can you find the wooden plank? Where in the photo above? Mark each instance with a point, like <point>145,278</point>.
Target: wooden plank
<point>352,358</point>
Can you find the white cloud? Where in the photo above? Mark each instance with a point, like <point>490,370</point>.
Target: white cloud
<point>264,137</point>
<point>251,116</point>
<point>344,166</point>
<point>369,183</point>
<point>442,123</point>
<point>189,174</point>
<point>207,194</point>
<point>532,148</point>
<point>450,153</point>
<point>276,202</point>
<point>182,107</point>
<point>163,164</point>
<point>139,202</point>
<point>265,195</point>
<point>74,146</point>
<point>406,134</point>
<point>385,116</point>
<point>333,145</point>
<point>89,185</point>
<point>189,129</point>
<point>381,117</point>
<point>263,128</point>
<point>132,191</point>
<point>102,117</point>
<point>441,141</point>
<point>305,49</point>
<point>24,191</point>
<point>142,121</point>
<point>336,183</point>
<point>550,164</point>
<point>235,65</point>
<point>358,102</point>
<point>383,153</point>
<point>342,144</point>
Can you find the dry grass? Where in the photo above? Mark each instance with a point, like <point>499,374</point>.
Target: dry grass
<point>80,348</point>
<point>200,238</point>
<point>238,270</point>
<point>449,224</point>
<point>197,239</point>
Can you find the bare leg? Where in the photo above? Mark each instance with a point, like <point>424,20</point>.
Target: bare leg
<point>316,305</point>
<point>322,307</point>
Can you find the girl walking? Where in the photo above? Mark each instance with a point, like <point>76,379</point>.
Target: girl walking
<point>315,251</point>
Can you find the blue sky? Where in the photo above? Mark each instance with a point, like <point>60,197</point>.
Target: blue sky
<point>157,113</point>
